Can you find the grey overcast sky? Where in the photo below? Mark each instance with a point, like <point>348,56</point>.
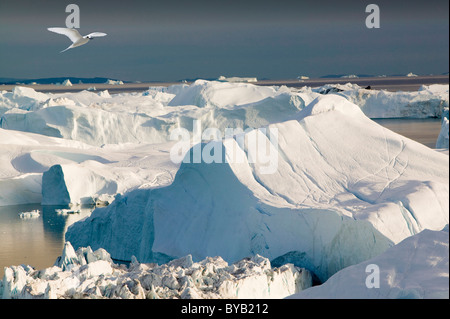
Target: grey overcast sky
<point>174,40</point>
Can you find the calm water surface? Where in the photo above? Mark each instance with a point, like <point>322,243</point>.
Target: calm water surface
<point>425,131</point>
<point>38,242</point>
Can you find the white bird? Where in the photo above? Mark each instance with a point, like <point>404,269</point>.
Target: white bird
<point>75,36</point>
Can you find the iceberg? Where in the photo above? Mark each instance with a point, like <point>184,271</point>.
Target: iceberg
<point>30,214</point>
<point>416,268</point>
<point>428,102</point>
<point>72,184</point>
<point>235,79</point>
<point>55,171</point>
<point>67,83</point>
<point>114,82</point>
<point>345,190</point>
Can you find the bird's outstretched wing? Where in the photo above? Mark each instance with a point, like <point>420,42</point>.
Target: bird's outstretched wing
<point>72,34</point>
<point>96,34</point>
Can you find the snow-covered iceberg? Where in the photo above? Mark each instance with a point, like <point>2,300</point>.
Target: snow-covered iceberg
<point>416,268</point>
<point>55,171</point>
<point>93,274</point>
<point>345,190</point>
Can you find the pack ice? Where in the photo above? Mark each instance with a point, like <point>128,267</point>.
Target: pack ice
<point>345,190</point>
<point>93,274</point>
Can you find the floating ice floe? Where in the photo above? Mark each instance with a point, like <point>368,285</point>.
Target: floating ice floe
<point>31,214</point>
<point>65,211</point>
<point>114,82</point>
<point>92,274</point>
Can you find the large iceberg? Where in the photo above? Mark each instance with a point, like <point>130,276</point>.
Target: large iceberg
<point>429,101</point>
<point>345,190</point>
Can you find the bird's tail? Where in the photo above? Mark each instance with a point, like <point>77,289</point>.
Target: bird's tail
<point>70,47</point>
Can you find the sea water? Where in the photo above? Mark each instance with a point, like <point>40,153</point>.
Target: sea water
<point>34,241</point>
<point>425,131</point>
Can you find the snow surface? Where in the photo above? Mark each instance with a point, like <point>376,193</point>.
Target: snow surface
<point>416,268</point>
<point>345,190</point>
<point>92,274</point>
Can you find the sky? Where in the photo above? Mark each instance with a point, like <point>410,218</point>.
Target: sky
<point>174,40</point>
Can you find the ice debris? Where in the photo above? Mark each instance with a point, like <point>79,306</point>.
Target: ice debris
<point>31,214</point>
<point>92,274</point>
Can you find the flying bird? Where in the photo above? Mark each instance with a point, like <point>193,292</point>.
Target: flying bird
<point>75,36</point>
